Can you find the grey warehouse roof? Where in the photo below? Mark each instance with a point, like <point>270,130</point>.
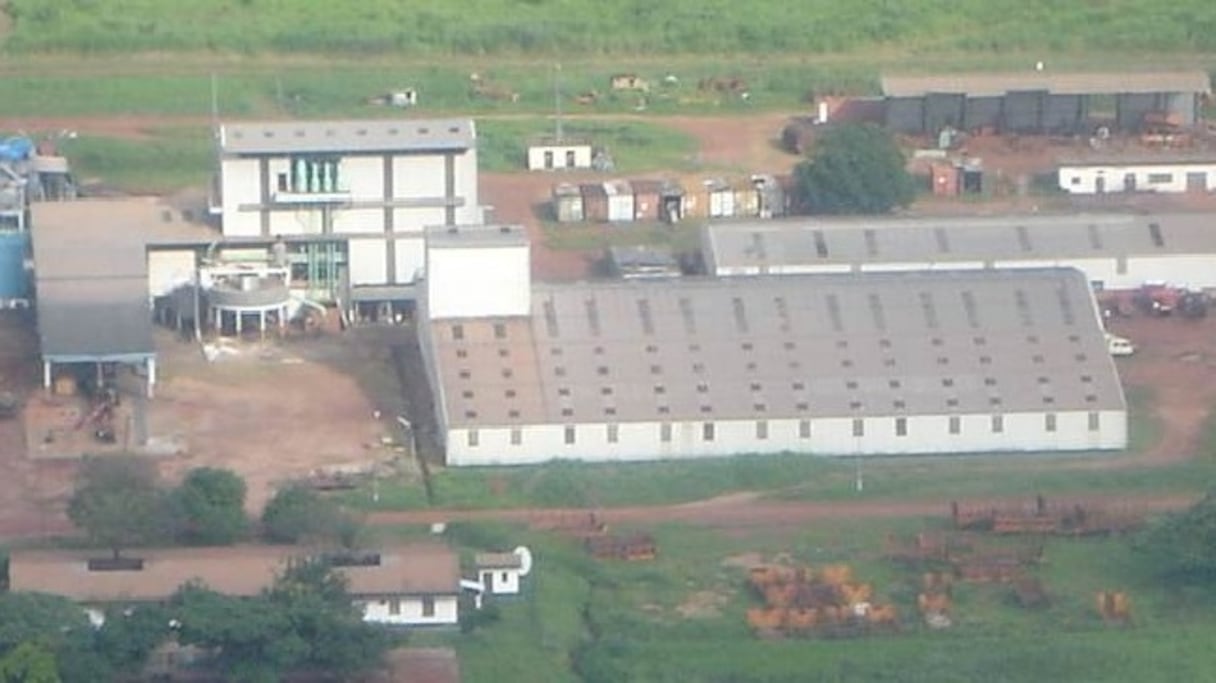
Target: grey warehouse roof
<point>91,273</point>
<point>998,84</point>
<point>949,342</point>
<point>772,244</point>
<point>380,135</point>
<point>1137,158</point>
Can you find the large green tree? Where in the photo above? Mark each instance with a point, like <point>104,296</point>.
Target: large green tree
<point>298,513</point>
<point>854,169</point>
<point>1183,543</point>
<point>117,503</point>
<point>304,622</point>
<point>29,662</point>
<point>210,507</point>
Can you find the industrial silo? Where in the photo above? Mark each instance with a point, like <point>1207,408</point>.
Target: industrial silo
<point>14,279</point>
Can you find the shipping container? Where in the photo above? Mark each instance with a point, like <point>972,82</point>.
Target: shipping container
<point>567,203</point>
<point>646,199</point>
<point>595,202</point>
<point>620,201</point>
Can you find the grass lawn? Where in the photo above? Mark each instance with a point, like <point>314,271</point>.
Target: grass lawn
<point>681,617</point>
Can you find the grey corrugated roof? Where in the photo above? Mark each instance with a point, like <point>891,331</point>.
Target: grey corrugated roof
<point>860,241</point>
<point>388,135</point>
<point>996,84</point>
<point>91,272</point>
<point>783,347</point>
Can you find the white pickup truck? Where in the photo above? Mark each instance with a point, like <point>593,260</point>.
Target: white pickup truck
<point>1119,346</point>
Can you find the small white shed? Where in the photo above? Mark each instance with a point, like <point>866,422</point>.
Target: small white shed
<point>551,155</point>
<point>500,573</point>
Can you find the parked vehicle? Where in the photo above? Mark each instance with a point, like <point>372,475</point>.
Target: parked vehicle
<point>1119,346</point>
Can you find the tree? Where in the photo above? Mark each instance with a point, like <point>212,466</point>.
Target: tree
<point>27,617</point>
<point>304,622</point>
<point>29,662</point>
<point>210,507</point>
<point>118,504</point>
<point>298,514</point>
<point>854,169</point>
<point>1183,544</point>
<point>130,634</point>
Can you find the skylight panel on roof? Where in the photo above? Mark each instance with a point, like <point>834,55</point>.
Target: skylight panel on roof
<point>880,320</point>
<point>740,315</point>
<point>834,313</point>
<point>1023,303</point>
<point>690,321</point>
<point>1023,238</point>
<point>1154,233</point>
<point>593,315</point>
<point>942,239</point>
<point>973,318</point>
<point>1065,305</point>
<point>871,242</point>
<point>645,316</point>
<point>929,309</point>
<point>821,246</point>
<point>551,319</point>
<point>1095,237</point>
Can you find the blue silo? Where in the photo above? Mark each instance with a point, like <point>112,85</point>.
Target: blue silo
<point>14,279</point>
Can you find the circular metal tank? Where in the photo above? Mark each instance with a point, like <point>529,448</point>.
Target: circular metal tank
<point>254,294</point>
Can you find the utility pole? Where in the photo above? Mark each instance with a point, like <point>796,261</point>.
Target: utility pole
<point>557,101</point>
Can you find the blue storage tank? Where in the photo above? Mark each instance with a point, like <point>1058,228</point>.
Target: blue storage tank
<point>14,280</point>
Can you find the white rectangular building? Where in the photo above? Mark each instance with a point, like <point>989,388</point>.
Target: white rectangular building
<point>559,155</point>
<point>1117,173</point>
<point>1114,251</point>
<point>850,364</point>
<point>350,198</point>
<point>412,585</point>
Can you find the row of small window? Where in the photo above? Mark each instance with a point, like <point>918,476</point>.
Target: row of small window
<point>709,429</point>
<point>394,606</point>
<point>500,331</point>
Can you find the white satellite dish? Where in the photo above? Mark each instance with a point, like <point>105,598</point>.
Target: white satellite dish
<point>525,560</point>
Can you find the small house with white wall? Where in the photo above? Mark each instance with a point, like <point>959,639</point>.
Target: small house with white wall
<point>1112,172</point>
<point>501,573</point>
<point>416,585</point>
<point>553,154</point>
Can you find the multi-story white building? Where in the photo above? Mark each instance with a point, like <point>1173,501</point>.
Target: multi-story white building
<point>350,199</point>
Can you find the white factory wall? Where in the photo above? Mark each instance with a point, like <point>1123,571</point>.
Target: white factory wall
<point>368,261</point>
<point>926,434</point>
<point>419,176</point>
<point>921,266</point>
<point>431,365</point>
<point>239,185</point>
<point>1147,178</point>
<point>466,187</point>
<point>410,253</point>
<point>296,221</point>
<point>478,282</point>
<point>415,220</point>
<point>408,610</point>
<point>168,270</point>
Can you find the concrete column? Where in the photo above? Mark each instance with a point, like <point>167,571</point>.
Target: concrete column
<point>216,319</point>
<point>262,323</point>
<point>151,376</point>
<point>238,322</point>
<point>46,374</point>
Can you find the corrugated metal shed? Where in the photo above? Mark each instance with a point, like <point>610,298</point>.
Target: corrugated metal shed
<point>567,203</point>
<point>595,202</point>
<point>647,199</point>
<point>620,201</point>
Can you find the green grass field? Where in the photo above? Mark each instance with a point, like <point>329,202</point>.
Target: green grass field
<point>681,617</point>
<point>561,26</point>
